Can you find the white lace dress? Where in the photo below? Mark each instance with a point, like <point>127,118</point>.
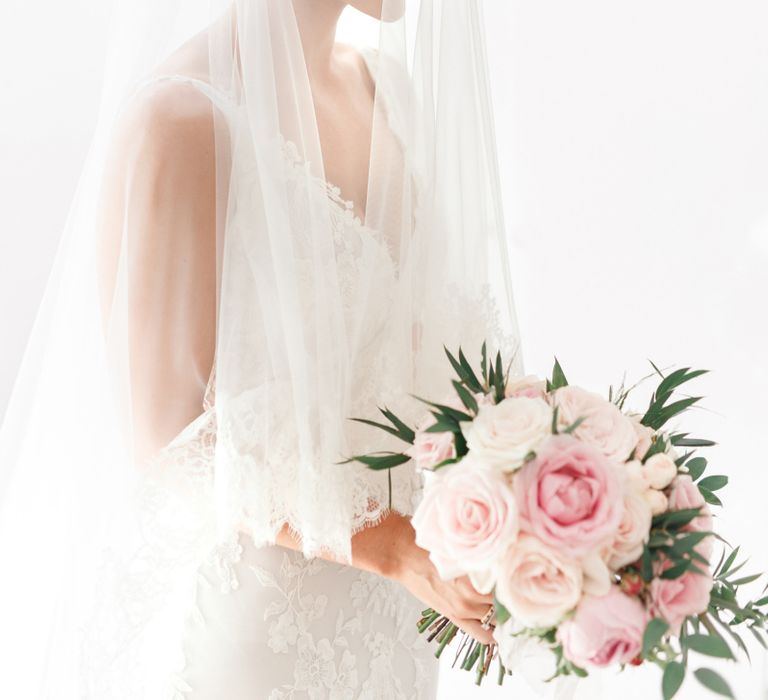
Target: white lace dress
<point>262,623</point>
<point>268,623</point>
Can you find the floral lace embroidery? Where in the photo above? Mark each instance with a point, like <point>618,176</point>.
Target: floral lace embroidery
<point>362,643</point>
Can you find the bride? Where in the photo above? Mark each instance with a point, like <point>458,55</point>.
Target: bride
<point>276,231</point>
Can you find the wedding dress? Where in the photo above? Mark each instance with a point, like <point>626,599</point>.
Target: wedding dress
<point>170,585</point>
<point>267,622</point>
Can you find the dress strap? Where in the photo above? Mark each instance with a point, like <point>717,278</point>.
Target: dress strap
<point>219,98</point>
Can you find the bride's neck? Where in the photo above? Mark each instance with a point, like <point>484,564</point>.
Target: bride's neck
<point>317,21</point>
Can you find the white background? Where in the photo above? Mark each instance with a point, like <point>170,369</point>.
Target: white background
<point>633,140</point>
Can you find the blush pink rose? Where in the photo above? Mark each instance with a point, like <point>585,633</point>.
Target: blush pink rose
<point>633,532</point>
<point>538,584</point>
<point>674,599</point>
<point>429,449</point>
<point>605,630</point>
<point>604,425</point>
<point>529,386</point>
<point>685,494</point>
<point>467,518</point>
<point>569,496</point>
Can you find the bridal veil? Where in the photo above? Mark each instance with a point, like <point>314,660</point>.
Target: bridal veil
<point>206,333</point>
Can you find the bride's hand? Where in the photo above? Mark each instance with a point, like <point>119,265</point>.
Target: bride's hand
<point>389,549</point>
<point>457,599</point>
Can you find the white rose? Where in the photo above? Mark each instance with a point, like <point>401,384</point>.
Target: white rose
<point>520,653</point>
<point>656,500</point>
<point>537,584</point>
<point>604,425</point>
<point>503,434</point>
<point>633,532</point>
<point>659,470</point>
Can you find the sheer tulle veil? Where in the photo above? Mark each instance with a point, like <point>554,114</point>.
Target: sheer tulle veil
<point>198,351</point>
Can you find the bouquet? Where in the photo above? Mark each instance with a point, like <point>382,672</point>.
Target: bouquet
<point>591,525</point>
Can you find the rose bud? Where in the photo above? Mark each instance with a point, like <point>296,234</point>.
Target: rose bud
<point>631,582</point>
<point>659,470</point>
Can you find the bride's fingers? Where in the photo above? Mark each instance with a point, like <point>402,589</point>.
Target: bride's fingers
<point>467,589</point>
<point>471,610</point>
<point>475,630</point>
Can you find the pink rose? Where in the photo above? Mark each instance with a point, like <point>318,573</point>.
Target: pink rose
<point>632,533</point>
<point>530,386</point>
<point>569,496</point>
<point>429,449</point>
<point>605,630</point>
<point>604,425</point>
<point>685,494</point>
<point>467,518</point>
<point>537,584</point>
<point>674,599</point>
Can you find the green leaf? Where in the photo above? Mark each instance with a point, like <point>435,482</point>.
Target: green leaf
<point>674,673</point>
<point>474,383</point>
<point>657,416</point>
<point>381,462</point>
<point>466,397</point>
<point>688,541</point>
<point>463,370</point>
<point>678,378</point>
<point>502,614</point>
<point>401,430</point>
<point>484,362</point>
<point>710,497</point>
<point>380,426</point>
<point>709,645</point>
<point>745,580</point>
<point>675,517</point>
<point>659,539</point>
<point>498,379</point>
<point>407,432</point>
<point>694,442</point>
<point>729,561</point>
<point>558,377</point>
<point>696,467</point>
<point>676,571</point>
<point>646,565</point>
<point>654,631</point>
<point>714,681</point>
<point>446,411</point>
<point>443,425</point>
<point>713,483</point>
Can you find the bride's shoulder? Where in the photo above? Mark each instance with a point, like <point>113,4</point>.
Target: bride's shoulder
<point>170,112</point>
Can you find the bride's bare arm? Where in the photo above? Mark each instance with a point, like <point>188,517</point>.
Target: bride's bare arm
<point>389,549</point>
<point>157,258</point>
